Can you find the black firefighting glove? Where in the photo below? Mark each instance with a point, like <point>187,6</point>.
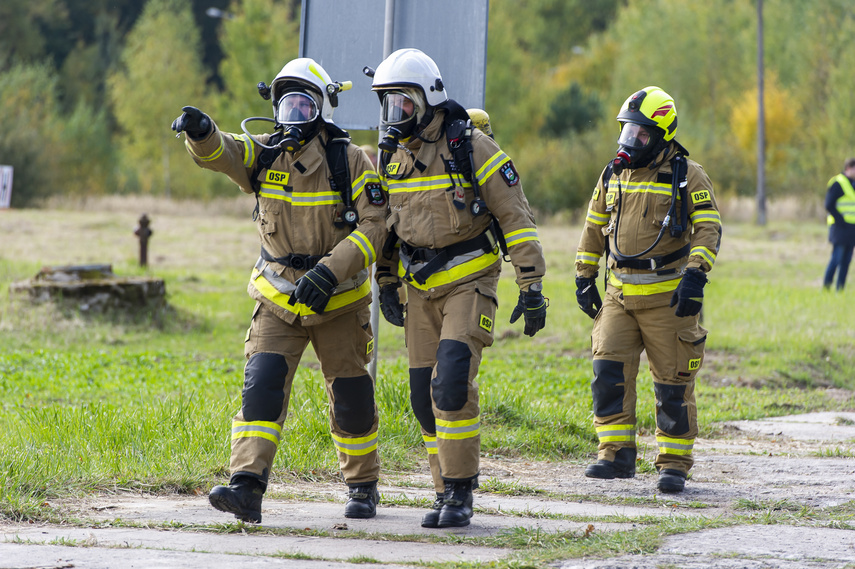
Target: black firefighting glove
<point>194,122</point>
<point>390,304</point>
<point>532,306</point>
<point>689,296</point>
<point>588,296</point>
<point>315,288</point>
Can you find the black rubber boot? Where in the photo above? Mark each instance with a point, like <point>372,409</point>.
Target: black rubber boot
<point>242,497</point>
<point>431,519</point>
<point>623,466</point>
<point>671,480</point>
<point>457,505</point>
<point>362,501</point>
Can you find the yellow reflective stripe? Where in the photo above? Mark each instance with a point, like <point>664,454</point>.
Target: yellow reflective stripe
<point>417,184</point>
<point>355,446</point>
<point>457,430</point>
<point>643,289</point>
<point>703,252</point>
<point>260,429</point>
<point>364,245</point>
<point>588,258</point>
<point>315,198</point>
<point>598,218</point>
<point>213,156</point>
<point>616,433</point>
<point>248,149</point>
<point>668,445</point>
<point>430,444</point>
<point>521,236</point>
<point>367,177</point>
<point>643,187</point>
<point>702,215</point>
<point>490,166</point>
<point>455,273</point>
<point>275,192</point>
<point>269,292</point>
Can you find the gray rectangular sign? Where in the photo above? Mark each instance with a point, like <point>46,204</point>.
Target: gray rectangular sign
<point>345,36</point>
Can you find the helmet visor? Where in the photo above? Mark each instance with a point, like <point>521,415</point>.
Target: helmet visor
<point>634,136</point>
<point>296,108</point>
<point>397,108</point>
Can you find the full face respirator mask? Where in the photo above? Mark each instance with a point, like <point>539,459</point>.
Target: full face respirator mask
<point>297,113</point>
<point>637,145</point>
<point>399,115</point>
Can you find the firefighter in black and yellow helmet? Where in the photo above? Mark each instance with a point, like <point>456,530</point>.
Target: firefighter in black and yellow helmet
<point>654,217</point>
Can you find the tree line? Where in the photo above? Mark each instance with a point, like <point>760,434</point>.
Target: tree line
<point>88,88</point>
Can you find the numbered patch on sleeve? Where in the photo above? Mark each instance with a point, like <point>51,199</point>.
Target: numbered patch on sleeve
<point>509,173</point>
<point>596,193</point>
<point>375,194</point>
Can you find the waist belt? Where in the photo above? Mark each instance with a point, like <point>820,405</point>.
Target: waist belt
<point>652,263</point>
<point>435,259</point>
<point>293,260</point>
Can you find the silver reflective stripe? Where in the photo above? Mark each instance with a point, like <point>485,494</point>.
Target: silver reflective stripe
<point>285,286</point>
<point>360,446</point>
<point>453,262</point>
<point>688,446</point>
<point>646,278</point>
<point>453,430</point>
<point>256,429</point>
<point>616,433</point>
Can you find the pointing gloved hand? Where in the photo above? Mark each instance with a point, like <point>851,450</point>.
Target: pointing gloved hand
<point>315,288</point>
<point>390,304</point>
<point>192,121</point>
<point>689,296</point>
<point>532,306</point>
<point>587,296</point>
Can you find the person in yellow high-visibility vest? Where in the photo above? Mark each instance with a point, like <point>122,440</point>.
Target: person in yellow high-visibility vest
<point>840,203</point>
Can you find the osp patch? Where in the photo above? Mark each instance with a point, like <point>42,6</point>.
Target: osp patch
<point>509,173</point>
<point>375,194</point>
<point>701,196</point>
<point>486,323</point>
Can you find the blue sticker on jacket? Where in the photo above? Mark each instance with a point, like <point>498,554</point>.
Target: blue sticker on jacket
<point>375,194</point>
<point>509,173</point>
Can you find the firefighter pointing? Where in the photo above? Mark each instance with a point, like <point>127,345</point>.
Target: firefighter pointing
<point>654,217</point>
<point>456,202</point>
<point>321,222</point>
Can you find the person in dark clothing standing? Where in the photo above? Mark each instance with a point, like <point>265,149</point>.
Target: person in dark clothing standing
<point>840,203</point>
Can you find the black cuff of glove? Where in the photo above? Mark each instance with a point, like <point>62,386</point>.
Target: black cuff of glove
<point>695,276</point>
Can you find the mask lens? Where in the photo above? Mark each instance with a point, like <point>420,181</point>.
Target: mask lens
<point>634,136</point>
<point>397,108</point>
<point>296,108</point>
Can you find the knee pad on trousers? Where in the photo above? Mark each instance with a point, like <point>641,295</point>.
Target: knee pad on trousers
<point>264,382</point>
<point>671,415</point>
<point>451,384</point>
<point>354,403</point>
<point>420,397</point>
<point>607,388</point>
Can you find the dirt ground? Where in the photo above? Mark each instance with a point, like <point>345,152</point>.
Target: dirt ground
<point>783,464</point>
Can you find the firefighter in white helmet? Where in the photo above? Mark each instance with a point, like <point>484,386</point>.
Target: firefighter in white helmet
<point>456,202</point>
<point>321,221</point>
<point>654,217</point>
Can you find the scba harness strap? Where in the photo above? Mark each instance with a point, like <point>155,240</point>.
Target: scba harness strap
<point>336,154</point>
<point>679,188</point>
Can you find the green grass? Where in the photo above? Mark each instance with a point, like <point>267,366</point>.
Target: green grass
<point>145,402</point>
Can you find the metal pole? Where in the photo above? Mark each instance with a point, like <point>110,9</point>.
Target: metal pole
<point>388,35</point>
<point>761,123</point>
